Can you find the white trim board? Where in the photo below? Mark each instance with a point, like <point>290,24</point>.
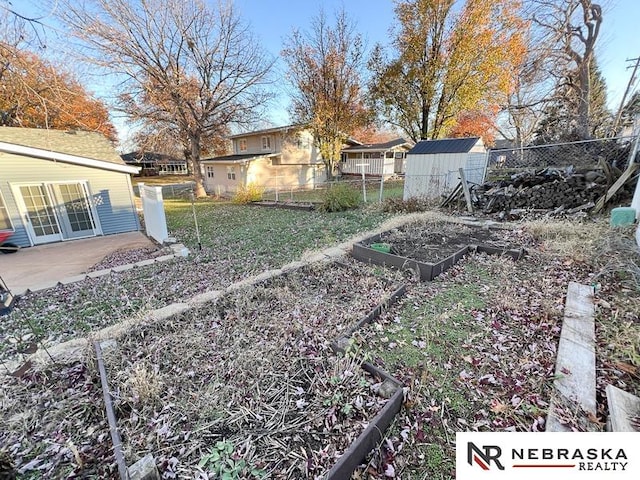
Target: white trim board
<point>66,158</point>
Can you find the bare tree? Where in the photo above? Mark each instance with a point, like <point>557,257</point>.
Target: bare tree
<point>183,64</point>
<point>573,27</point>
<point>533,87</point>
<point>325,66</point>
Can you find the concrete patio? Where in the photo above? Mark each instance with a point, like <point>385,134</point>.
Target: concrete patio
<point>35,267</point>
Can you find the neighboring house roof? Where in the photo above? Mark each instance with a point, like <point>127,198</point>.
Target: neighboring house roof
<point>150,157</point>
<point>269,130</point>
<point>286,128</point>
<point>90,149</point>
<point>238,158</point>
<point>367,147</point>
<point>503,145</point>
<point>446,145</point>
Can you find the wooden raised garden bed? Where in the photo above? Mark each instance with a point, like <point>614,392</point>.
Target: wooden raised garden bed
<point>430,248</point>
<point>248,385</point>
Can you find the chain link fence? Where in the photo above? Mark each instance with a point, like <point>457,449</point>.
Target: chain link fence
<point>583,155</point>
<point>172,190</point>
<point>372,189</point>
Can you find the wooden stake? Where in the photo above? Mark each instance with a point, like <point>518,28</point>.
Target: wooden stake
<point>465,187</point>
<point>626,175</point>
<point>111,415</point>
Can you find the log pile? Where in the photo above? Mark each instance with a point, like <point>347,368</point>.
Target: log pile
<point>543,189</point>
<point>560,190</point>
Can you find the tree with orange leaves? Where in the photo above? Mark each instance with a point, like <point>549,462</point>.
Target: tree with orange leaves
<point>446,61</point>
<point>475,124</point>
<point>38,94</point>
<point>325,72</point>
<point>189,66</point>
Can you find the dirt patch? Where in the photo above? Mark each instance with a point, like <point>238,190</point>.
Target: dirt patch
<point>435,241</point>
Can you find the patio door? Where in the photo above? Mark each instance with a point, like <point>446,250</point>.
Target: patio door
<point>56,211</point>
<point>75,214</point>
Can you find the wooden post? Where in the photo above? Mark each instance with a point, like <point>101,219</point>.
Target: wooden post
<point>465,187</point>
<point>626,175</point>
<point>111,415</point>
<point>364,186</point>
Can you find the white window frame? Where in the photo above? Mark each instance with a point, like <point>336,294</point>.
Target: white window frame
<point>210,171</point>
<point>3,206</point>
<point>242,145</point>
<point>266,142</point>
<point>231,173</point>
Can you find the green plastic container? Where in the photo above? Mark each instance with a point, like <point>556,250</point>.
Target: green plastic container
<point>381,247</point>
<point>623,216</point>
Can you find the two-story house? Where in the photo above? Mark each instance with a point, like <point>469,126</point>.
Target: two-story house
<point>274,158</point>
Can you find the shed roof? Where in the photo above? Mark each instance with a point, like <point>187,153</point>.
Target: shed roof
<point>376,146</point>
<point>72,142</point>
<point>445,145</point>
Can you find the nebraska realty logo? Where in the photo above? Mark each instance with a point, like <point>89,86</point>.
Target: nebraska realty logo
<point>574,455</point>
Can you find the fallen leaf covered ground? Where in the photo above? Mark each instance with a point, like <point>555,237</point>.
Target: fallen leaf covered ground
<point>247,383</point>
<point>476,349</point>
<point>477,346</point>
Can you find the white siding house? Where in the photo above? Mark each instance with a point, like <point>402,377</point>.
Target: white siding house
<point>433,165</point>
<point>384,159</point>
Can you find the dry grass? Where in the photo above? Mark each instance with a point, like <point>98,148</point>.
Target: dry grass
<point>250,378</point>
<point>580,241</point>
<point>254,370</point>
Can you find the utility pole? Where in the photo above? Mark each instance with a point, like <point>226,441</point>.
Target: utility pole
<point>632,79</point>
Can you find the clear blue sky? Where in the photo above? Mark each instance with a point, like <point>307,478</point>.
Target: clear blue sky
<point>273,20</point>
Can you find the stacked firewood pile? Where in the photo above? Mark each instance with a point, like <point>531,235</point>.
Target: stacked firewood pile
<point>544,189</point>
<point>562,190</point>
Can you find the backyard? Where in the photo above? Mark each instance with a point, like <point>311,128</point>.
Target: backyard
<point>475,347</point>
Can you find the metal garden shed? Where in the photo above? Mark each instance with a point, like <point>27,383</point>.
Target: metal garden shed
<point>433,165</point>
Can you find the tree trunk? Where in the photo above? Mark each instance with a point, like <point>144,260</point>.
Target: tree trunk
<point>584,95</point>
<point>198,189</point>
<point>328,170</point>
<point>424,124</point>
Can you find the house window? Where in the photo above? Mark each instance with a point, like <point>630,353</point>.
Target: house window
<point>266,143</point>
<point>399,155</point>
<point>231,173</point>
<point>242,144</point>
<point>5,220</point>
<point>210,171</point>
<point>366,155</point>
<point>303,143</point>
